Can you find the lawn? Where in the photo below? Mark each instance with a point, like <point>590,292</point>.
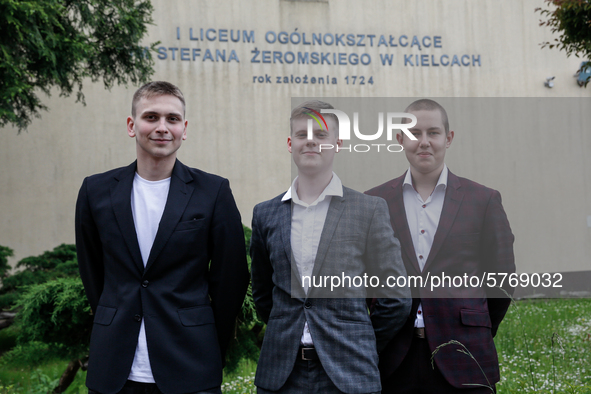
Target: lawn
<point>544,347</point>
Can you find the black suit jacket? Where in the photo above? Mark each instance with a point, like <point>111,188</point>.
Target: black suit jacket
<point>473,237</point>
<point>189,292</point>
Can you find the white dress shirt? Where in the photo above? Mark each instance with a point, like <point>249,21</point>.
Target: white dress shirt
<point>307,222</point>
<point>423,219</point>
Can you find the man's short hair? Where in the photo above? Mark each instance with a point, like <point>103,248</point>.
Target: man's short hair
<point>428,105</point>
<point>155,89</point>
<point>303,110</point>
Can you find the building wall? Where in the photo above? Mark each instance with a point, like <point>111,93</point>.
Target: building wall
<point>238,126</point>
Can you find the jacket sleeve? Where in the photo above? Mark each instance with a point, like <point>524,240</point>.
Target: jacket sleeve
<point>228,270</point>
<point>88,248</point>
<point>261,269</point>
<point>390,310</point>
<point>498,258</point>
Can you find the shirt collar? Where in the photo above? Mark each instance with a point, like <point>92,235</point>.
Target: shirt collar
<point>334,188</point>
<point>441,181</point>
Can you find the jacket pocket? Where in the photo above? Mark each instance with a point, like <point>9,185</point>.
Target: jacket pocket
<point>104,315</point>
<point>348,321</point>
<point>189,224</point>
<point>475,318</point>
<point>196,316</point>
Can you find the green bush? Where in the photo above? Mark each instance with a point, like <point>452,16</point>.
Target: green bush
<point>28,355</point>
<point>8,338</point>
<point>56,312</point>
<point>24,278</point>
<point>247,342</point>
<point>5,253</point>
<point>58,263</point>
<point>49,259</point>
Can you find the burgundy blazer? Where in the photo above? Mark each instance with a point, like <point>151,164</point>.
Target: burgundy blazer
<point>473,237</point>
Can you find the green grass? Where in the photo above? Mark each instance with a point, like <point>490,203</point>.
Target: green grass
<point>242,380</point>
<point>544,347</point>
<point>34,380</point>
<point>26,380</point>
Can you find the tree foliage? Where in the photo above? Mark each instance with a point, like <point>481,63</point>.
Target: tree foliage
<point>571,19</point>
<point>57,263</point>
<point>5,253</point>
<point>249,328</point>
<point>53,319</point>
<point>47,44</point>
<point>54,322</point>
<point>56,312</point>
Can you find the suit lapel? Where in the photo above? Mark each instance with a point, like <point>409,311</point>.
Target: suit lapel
<point>400,223</point>
<point>284,217</point>
<point>178,196</point>
<point>451,205</point>
<point>121,203</point>
<point>285,225</point>
<point>335,210</point>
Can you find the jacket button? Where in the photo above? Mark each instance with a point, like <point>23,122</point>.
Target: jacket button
<point>137,318</point>
<point>145,283</point>
<point>308,305</point>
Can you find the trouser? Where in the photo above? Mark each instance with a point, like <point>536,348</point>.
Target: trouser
<point>416,376</point>
<point>132,387</point>
<point>307,377</point>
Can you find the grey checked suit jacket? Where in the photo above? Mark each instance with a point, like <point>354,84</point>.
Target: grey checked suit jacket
<point>357,236</point>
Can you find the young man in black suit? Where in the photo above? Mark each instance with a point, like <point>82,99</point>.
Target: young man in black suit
<point>162,258</point>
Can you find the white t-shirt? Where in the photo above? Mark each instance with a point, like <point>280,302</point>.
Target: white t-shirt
<point>148,199</point>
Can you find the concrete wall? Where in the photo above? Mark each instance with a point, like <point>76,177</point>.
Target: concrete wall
<point>238,128</point>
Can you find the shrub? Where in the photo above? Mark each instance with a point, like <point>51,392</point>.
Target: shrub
<point>57,263</point>
<point>56,312</point>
